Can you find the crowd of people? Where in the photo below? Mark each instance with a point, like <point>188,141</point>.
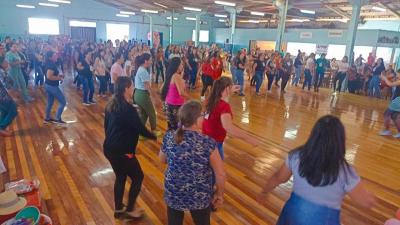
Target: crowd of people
<point>192,147</point>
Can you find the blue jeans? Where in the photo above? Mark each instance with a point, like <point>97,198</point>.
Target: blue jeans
<point>8,111</point>
<point>88,89</point>
<point>299,211</point>
<point>307,79</point>
<point>193,76</point>
<point>240,79</point>
<point>220,147</point>
<point>54,92</point>
<point>374,88</point>
<point>259,80</point>
<point>233,72</point>
<point>39,76</point>
<point>103,84</point>
<point>297,75</point>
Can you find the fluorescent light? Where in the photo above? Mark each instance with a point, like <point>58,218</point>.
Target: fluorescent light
<point>26,6</point>
<point>378,9</point>
<point>222,20</point>
<point>149,11</point>
<point>77,23</point>
<point>60,1</point>
<point>48,4</point>
<point>127,13</point>
<point>169,18</point>
<point>307,11</point>
<point>192,9</point>
<point>161,5</point>
<point>249,21</point>
<point>225,3</point>
<point>190,18</point>
<point>298,20</point>
<point>122,15</point>
<point>221,16</point>
<point>257,13</point>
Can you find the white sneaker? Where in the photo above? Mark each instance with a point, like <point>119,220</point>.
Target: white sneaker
<point>202,98</point>
<point>396,135</point>
<point>385,133</point>
<point>136,213</point>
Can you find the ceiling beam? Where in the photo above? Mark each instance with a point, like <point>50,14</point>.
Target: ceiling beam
<point>338,11</point>
<point>394,12</point>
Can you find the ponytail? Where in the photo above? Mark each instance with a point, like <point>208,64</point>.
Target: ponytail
<point>179,135</point>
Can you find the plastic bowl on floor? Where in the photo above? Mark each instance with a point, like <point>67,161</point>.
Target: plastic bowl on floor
<point>29,212</point>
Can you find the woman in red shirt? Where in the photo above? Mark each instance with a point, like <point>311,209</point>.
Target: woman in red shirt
<point>218,118</point>
<point>206,77</point>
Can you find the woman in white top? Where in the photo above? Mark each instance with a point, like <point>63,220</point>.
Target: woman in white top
<point>343,66</point>
<point>100,72</point>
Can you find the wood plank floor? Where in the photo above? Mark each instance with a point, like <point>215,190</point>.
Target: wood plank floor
<point>77,181</point>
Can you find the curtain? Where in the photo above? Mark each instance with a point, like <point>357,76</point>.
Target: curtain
<point>84,33</point>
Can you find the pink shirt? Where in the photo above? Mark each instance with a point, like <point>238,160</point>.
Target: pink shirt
<point>116,69</point>
<point>173,96</point>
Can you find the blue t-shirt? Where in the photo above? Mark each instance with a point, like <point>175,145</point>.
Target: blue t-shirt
<point>142,76</point>
<point>331,195</point>
<point>188,179</point>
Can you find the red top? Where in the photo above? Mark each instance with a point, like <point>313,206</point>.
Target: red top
<point>207,70</point>
<point>212,124</point>
<point>217,65</point>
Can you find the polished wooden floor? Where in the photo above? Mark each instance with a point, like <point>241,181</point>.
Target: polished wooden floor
<point>77,181</point>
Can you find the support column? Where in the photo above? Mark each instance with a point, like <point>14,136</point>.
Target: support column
<point>171,28</point>
<point>353,26</point>
<point>283,7</point>
<point>150,30</point>
<point>197,32</point>
<point>233,12</point>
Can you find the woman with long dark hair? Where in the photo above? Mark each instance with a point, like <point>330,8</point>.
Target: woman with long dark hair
<point>374,88</point>
<point>173,91</point>
<point>191,157</point>
<point>142,91</point>
<point>218,119</point>
<point>321,177</point>
<point>122,129</point>
<point>86,70</point>
<point>51,85</point>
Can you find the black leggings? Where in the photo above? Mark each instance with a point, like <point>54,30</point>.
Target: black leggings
<point>207,81</point>
<point>340,76</point>
<point>200,217</point>
<point>285,79</point>
<point>124,167</point>
<point>270,77</point>
<point>172,116</point>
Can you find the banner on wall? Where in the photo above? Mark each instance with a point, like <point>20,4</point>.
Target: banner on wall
<point>305,35</point>
<point>321,49</point>
<point>335,33</point>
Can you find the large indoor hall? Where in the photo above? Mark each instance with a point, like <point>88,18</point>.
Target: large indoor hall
<point>200,112</point>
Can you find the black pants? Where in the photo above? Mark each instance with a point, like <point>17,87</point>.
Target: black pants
<point>340,76</point>
<point>319,78</point>
<point>270,77</point>
<point>124,167</point>
<point>207,81</point>
<point>285,79</point>
<point>279,73</point>
<point>200,217</point>
<point>172,116</point>
<point>160,71</point>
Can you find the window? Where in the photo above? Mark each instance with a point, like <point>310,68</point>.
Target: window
<point>43,26</point>
<point>77,23</point>
<point>336,51</point>
<point>362,50</point>
<point>117,31</point>
<point>293,47</point>
<point>204,36</point>
<point>384,53</point>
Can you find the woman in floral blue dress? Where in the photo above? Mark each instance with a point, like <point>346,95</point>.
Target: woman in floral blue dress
<point>8,108</point>
<point>191,158</point>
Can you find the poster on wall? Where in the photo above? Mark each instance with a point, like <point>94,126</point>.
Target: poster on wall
<point>335,33</point>
<point>305,35</point>
<point>321,49</point>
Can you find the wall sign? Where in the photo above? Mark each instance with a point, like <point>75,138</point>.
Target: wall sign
<point>388,40</point>
<point>305,35</point>
<point>335,33</point>
<point>321,49</point>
